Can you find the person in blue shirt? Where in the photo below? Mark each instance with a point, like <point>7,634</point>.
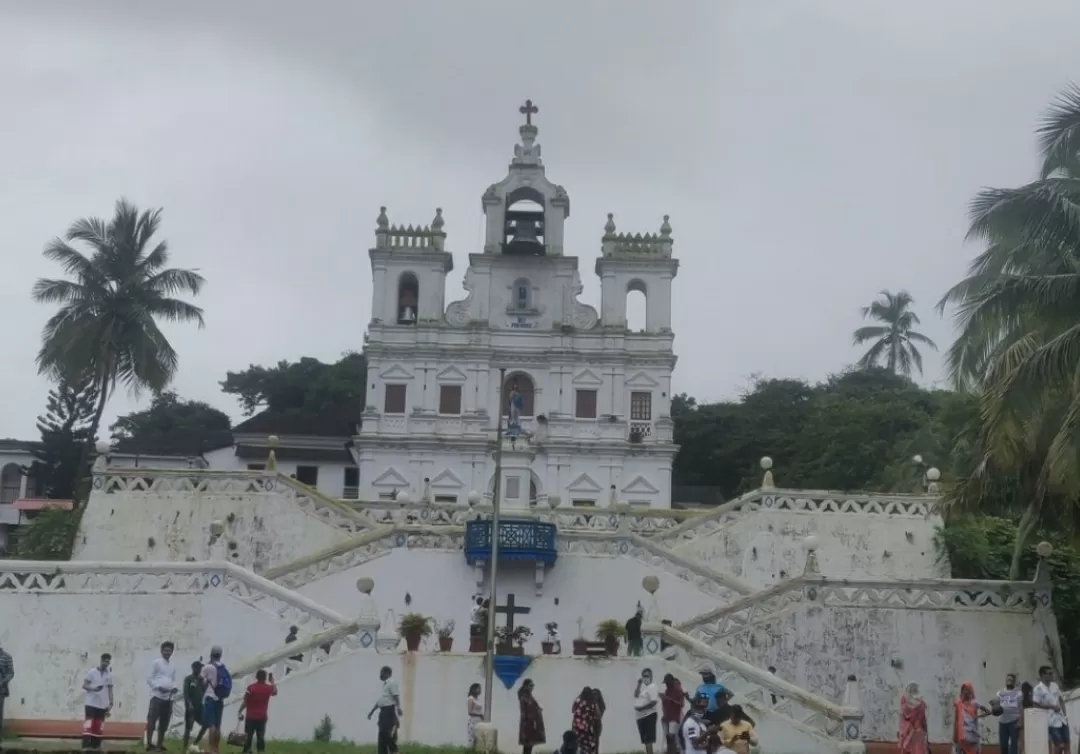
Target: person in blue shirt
<point>711,690</point>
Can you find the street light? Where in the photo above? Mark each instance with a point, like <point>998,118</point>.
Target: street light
<point>489,671</point>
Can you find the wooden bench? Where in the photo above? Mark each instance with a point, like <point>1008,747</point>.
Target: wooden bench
<point>71,729</point>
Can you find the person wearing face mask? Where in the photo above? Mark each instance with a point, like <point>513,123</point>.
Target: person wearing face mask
<point>696,732</point>
<point>646,701</point>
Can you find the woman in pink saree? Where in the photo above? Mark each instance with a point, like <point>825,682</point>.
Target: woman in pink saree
<point>912,721</point>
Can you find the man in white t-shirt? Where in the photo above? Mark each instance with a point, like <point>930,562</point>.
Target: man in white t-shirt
<point>1047,696</point>
<point>694,727</point>
<point>646,704</point>
<point>162,683</point>
<point>98,688</point>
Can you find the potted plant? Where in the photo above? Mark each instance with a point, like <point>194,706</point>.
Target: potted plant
<point>477,642</point>
<point>581,644</point>
<point>446,636</point>
<point>511,642</point>
<point>414,627</point>
<point>610,631</point>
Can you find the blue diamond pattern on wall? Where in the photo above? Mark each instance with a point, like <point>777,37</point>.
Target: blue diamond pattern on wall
<point>652,645</point>
<point>215,580</point>
<point>99,482</point>
<point>852,731</point>
<point>400,540</point>
<point>366,640</point>
<point>624,547</point>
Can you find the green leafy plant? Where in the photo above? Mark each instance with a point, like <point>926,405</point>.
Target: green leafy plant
<point>515,638</point>
<point>324,731</point>
<point>50,534</point>
<point>610,629</point>
<point>415,624</point>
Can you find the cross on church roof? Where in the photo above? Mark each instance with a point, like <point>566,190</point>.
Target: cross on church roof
<point>528,110</point>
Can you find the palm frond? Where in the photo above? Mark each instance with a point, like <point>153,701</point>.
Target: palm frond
<point>173,281</point>
<point>864,334</point>
<point>1059,133</point>
<point>918,337</point>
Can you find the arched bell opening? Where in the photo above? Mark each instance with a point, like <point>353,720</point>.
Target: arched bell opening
<point>523,230</point>
<point>408,296</point>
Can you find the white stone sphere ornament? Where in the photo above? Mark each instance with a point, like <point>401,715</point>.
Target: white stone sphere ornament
<point>273,441</point>
<point>554,501</point>
<point>916,459</point>
<point>767,480</point>
<point>766,463</point>
<point>473,498</point>
<point>932,474</point>
<point>103,447</point>
<point>650,584</point>
<point>403,497</point>
<point>365,584</point>
<point>810,544</point>
<point>1044,549</point>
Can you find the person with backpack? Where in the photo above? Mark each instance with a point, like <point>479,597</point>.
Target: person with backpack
<point>218,687</point>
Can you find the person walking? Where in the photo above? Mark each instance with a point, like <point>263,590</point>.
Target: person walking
<point>98,702</point>
<point>634,643</point>
<point>388,705</point>
<point>217,685</point>
<point>193,704</point>
<point>1047,696</point>
<point>966,713</point>
<point>671,707</point>
<point>257,705</point>
<point>912,733</point>
<point>162,683</point>
<point>7,672</point>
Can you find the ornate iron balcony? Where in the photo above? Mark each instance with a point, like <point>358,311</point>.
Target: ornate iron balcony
<point>518,540</point>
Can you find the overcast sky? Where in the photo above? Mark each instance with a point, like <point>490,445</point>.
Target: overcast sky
<point>809,154</point>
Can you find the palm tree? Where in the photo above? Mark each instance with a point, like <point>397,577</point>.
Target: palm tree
<point>1018,313</point>
<point>107,324</point>
<point>894,340</point>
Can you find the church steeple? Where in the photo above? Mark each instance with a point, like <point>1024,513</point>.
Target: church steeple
<point>525,211</point>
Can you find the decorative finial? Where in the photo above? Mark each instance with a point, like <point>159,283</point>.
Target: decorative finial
<point>438,222</point>
<point>665,228</point>
<point>528,110</point>
<point>766,466</point>
<point>609,226</point>
<point>382,221</point>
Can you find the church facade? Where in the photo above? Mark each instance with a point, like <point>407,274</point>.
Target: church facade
<point>584,402</point>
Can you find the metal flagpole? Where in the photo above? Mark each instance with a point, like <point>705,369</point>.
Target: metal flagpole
<point>489,673</point>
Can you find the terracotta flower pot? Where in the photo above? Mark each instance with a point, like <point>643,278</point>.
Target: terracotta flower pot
<point>547,647</point>
<point>477,644</point>
<point>446,643</point>
<point>611,644</point>
<point>580,647</point>
<point>412,642</point>
<point>508,649</point>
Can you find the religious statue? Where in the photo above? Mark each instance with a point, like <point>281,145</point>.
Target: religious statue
<point>515,405</point>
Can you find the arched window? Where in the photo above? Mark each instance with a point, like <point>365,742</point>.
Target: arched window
<point>524,229</point>
<point>523,385</point>
<point>637,306</point>
<point>408,296</point>
<point>521,295</point>
<point>10,483</point>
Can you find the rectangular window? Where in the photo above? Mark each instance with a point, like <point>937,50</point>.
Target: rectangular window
<point>308,475</point>
<point>641,407</point>
<point>513,487</point>
<point>585,406</point>
<point>395,400</point>
<point>450,400</point>
<point>446,499</point>
<point>387,496</point>
<point>256,467</point>
<point>350,487</point>
<point>584,503</point>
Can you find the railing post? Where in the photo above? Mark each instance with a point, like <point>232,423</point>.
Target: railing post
<point>852,715</point>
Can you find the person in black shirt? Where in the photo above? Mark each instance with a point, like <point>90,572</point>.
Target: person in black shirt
<point>634,644</point>
<point>193,704</point>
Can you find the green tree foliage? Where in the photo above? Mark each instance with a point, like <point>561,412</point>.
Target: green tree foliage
<point>307,386</point>
<point>895,338</point>
<point>49,535</point>
<point>167,415</point>
<point>107,321</point>
<point>855,431</point>
<point>1018,313</point>
<point>982,548</point>
<point>65,430</point>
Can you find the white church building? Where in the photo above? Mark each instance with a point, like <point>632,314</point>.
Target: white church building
<point>592,424</point>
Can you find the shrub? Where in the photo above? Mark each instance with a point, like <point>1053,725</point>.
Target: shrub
<point>324,731</point>
<point>49,535</point>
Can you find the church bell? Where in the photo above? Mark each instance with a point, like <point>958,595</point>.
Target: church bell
<point>524,231</point>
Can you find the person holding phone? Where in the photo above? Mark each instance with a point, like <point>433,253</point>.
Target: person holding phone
<point>646,701</point>
<point>98,687</point>
<point>257,705</point>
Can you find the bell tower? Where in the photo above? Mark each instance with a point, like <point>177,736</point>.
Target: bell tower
<point>525,211</point>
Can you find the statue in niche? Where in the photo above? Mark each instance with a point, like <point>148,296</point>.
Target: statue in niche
<point>515,404</point>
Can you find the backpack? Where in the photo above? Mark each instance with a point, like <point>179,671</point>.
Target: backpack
<point>223,687</point>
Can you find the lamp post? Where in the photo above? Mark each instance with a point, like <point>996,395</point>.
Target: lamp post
<point>489,671</point>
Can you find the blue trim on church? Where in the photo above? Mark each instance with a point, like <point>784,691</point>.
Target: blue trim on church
<point>518,540</point>
<point>508,668</point>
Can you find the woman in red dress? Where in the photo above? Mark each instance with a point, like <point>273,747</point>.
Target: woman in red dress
<point>586,721</point>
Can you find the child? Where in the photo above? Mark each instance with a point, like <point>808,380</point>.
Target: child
<point>193,703</point>
<point>569,743</point>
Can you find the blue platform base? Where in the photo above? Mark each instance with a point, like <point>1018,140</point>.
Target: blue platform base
<point>509,668</point>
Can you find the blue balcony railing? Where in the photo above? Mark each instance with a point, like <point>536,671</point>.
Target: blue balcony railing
<point>518,540</point>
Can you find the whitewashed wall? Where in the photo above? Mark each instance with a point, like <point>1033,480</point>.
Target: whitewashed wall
<point>817,647</point>
<point>268,527</point>
<point>434,689</point>
<point>764,547</point>
<point>55,638</point>
<point>442,585</point>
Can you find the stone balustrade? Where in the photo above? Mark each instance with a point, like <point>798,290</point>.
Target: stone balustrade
<point>89,577</point>
<point>812,714</point>
<point>928,594</point>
